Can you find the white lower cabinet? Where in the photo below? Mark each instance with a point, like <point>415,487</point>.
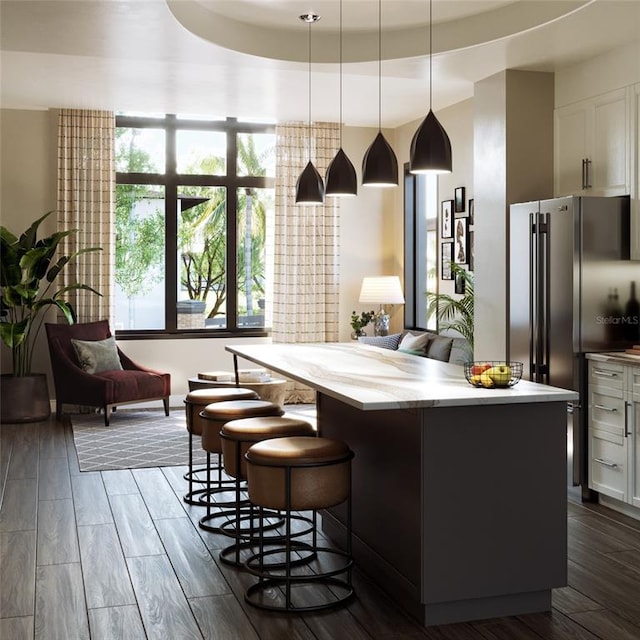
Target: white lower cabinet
<point>614,427</point>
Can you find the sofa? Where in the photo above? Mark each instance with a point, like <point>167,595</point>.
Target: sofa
<point>426,344</point>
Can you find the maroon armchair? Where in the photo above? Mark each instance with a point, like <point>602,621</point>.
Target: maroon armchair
<point>104,389</point>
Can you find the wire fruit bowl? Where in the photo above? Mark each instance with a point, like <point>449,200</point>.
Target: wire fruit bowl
<point>493,374</point>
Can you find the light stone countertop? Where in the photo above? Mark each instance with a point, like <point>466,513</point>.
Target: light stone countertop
<point>370,378</point>
<point>615,356</point>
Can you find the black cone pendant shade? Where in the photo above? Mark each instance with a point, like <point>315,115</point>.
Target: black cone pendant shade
<point>380,165</point>
<point>341,179</point>
<point>309,186</point>
<point>430,147</point>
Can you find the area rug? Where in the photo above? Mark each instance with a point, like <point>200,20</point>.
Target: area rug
<point>133,440</point>
<point>136,439</point>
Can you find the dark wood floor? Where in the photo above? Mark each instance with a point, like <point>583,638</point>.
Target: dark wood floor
<point>116,555</point>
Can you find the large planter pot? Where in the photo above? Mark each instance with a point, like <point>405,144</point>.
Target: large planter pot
<point>24,399</point>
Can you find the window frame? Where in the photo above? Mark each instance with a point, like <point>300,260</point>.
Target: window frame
<point>171,180</point>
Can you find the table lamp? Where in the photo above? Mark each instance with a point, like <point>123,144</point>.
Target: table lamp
<point>381,290</point>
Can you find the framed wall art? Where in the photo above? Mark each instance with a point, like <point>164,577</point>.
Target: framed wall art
<point>459,200</point>
<point>460,283</point>
<point>471,211</point>
<point>446,219</point>
<point>470,251</point>
<point>461,241</point>
<point>446,258</point>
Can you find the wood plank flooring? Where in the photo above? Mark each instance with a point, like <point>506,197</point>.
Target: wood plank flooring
<point>118,555</point>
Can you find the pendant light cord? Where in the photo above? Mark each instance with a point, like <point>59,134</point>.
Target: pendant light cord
<point>379,65</point>
<point>430,55</point>
<point>341,74</point>
<point>309,133</point>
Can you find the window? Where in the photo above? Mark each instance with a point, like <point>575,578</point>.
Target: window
<point>420,246</point>
<point>194,219</point>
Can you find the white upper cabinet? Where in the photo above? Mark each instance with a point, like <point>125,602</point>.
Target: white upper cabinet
<point>592,141</point>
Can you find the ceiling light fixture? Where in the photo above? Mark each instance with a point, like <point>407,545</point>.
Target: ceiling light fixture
<point>341,179</point>
<point>309,186</point>
<point>380,165</point>
<point>430,146</point>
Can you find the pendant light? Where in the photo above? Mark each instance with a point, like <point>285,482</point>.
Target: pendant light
<point>430,147</point>
<point>309,186</point>
<point>380,165</point>
<point>341,179</point>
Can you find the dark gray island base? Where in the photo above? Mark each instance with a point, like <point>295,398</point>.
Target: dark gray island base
<point>459,494</point>
<point>459,513</point>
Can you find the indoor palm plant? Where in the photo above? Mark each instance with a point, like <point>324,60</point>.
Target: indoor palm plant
<point>455,312</point>
<point>27,280</point>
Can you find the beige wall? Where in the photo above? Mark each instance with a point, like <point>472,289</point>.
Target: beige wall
<point>27,188</point>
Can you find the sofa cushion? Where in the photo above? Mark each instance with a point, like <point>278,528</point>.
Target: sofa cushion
<point>415,342</point>
<point>385,342</point>
<point>95,356</point>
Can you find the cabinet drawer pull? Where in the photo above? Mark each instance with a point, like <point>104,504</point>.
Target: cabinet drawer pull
<point>605,374</point>
<point>603,408</point>
<point>627,433</point>
<point>611,465</point>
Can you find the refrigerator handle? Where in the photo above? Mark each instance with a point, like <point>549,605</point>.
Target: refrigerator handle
<point>532,285</point>
<point>539,298</point>
<point>546,234</point>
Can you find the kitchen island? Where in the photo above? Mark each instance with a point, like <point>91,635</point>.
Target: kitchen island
<point>459,493</point>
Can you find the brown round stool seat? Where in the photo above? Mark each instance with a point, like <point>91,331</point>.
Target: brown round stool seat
<point>219,413</point>
<point>236,437</point>
<point>248,431</point>
<point>200,398</point>
<point>194,402</point>
<point>300,474</point>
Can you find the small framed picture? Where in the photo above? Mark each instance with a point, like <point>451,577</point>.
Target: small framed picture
<point>460,283</point>
<point>471,210</point>
<point>471,258</point>
<point>446,223</point>
<point>446,257</point>
<point>459,200</point>
<point>461,241</point>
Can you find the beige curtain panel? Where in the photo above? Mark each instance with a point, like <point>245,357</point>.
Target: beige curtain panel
<point>86,193</point>
<point>306,246</point>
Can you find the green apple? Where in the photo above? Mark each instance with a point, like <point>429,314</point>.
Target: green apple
<point>501,374</point>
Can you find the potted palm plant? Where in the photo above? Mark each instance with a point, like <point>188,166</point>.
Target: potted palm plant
<point>27,281</point>
<point>455,312</point>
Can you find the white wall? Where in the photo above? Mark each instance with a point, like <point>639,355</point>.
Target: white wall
<point>613,70</point>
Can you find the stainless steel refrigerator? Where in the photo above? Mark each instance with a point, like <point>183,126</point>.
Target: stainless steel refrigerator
<point>569,280</point>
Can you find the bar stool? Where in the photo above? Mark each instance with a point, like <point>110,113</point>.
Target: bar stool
<point>300,474</point>
<point>236,437</point>
<point>194,403</point>
<point>214,417</point>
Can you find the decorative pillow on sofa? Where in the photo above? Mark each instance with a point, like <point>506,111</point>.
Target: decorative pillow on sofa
<point>415,343</point>
<point>440,348</point>
<point>95,356</point>
<point>385,342</point>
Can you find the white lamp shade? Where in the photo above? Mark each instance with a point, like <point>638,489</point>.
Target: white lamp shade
<point>381,290</point>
